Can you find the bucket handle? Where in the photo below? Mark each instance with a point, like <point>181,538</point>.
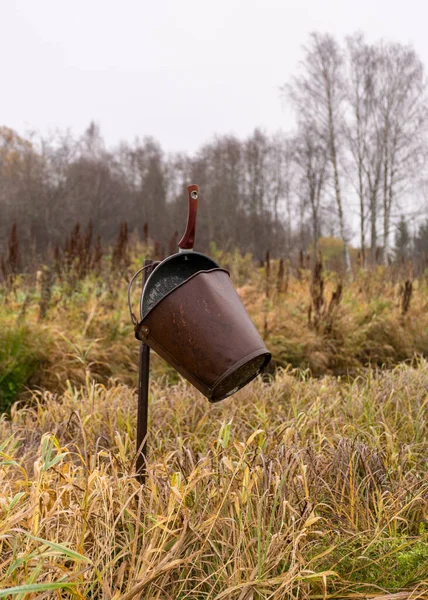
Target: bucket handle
<point>188,240</point>
<point>131,314</point>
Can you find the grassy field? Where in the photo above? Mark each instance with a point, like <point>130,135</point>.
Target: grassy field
<point>310,483</point>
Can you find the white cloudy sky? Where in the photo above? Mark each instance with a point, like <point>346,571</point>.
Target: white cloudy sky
<point>180,70</point>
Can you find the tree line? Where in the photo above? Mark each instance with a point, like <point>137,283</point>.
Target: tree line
<point>362,117</point>
<point>351,165</point>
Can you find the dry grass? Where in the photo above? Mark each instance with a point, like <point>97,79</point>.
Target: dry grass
<point>299,488</point>
<point>295,488</point>
<point>87,327</point>
<point>366,327</point>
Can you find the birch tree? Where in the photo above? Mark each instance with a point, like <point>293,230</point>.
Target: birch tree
<point>386,128</point>
<point>311,160</point>
<point>359,85</point>
<point>403,117</point>
<point>318,97</point>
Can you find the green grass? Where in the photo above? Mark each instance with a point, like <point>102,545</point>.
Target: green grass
<point>22,352</point>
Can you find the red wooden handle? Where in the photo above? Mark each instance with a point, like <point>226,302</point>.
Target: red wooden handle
<point>188,239</point>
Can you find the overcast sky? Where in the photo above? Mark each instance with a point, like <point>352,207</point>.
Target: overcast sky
<point>180,70</point>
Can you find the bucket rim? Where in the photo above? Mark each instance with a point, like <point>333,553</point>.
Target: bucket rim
<point>267,358</point>
<point>168,259</point>
<point>142,319</point>
<point>176,255</point>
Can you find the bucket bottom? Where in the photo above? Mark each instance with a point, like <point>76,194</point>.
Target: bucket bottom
<point>242,374</point>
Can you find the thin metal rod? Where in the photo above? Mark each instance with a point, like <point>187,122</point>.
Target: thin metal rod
<point>143,396</point>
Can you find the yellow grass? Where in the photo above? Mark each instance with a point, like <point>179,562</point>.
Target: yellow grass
<point>299,488</point>
<point>295,488</point>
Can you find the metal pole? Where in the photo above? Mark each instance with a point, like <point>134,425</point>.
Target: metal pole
<point>143,398</point>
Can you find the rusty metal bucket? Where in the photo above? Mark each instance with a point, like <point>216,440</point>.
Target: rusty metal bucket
<point>192,316</point>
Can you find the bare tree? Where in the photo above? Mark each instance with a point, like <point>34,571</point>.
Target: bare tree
<point>311,159</point>
<point>403,118</point>
<point>357,127</point>
<point>279,182</point>
<point>386,129</point>
<point>365,135</point>
<point>318,96</point>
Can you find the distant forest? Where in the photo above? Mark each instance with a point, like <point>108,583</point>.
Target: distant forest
<point>356,155</point>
